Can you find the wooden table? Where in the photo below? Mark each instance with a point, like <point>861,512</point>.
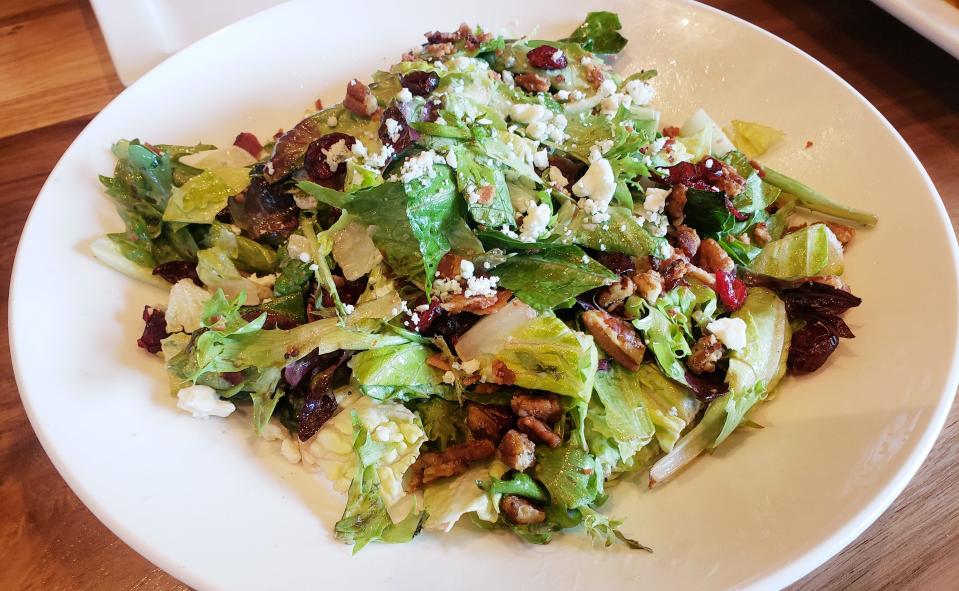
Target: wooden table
<point>56,75</point>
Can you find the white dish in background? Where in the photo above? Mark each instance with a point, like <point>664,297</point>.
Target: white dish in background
<point>142,33</point>
<point>936,20</point>
<point>219,509</point>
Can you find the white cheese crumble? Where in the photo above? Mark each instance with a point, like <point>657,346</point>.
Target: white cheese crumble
<point>337,154</point>
<point>528,113</point>
<point>446,288</point>
<point>640,92</point>
<point>731,332</point>
<point>393,129</point>
<point>420,167</point>
<point>562,95</point>
<point>481,286</point>
<point>541,159</point>
<point>305,257</point>
<point>466,269</point>
<point>332,121</point>
<point>596,189</point>
<point>536,130</point>
<point>404,95</point>
<point>451,159</point>
<point>379,159</point>
<point>203,402</point>
<point>449,377</point>
<point>655,199</point>
<point>534,222</point>
<point>607,88</point>
<point>471,366</point>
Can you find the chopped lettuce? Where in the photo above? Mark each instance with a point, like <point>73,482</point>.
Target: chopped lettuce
<point>810,251</point>
<point>203,196</point>
<point>484,186</point>
<point>813,200</point>
<point>448,500</point>
<point>600,33</point>
<point>544,279</point>
<point>444,421</point>
<point>618,413</point>
<point>754,139</point>
<point>572,476</point>
<point>398,372</point>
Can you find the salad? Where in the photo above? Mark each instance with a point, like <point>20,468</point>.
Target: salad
<point>488,285</point>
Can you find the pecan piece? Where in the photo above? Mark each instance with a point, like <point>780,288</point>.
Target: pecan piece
<point>440,49</point>
<point>539,431</point>
<point>714,259</point>
<point>486,421</point>
<point>688,240</point>
<point>449,266</point>
<point>359,99</point>
<point>594,76</point>
<point>616,337</point>
<point>521,511</point>
<point>531,82</point>
<point>649,285</point>
<point>761,234</point>
<point>613,296</point>
<point>432,466</point>
<point>480,305</point>
<point>676,203</point>
<point>730,182</point>
<point>705,354</point>
<point>545,407</point>
<point>516,450</point>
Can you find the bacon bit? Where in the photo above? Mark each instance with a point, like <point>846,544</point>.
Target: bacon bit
<point>758,168</point>
<point>318,104</point>
<point>153,148</point>
<point>586,471</point>
<point>808,145</point>
<point>470,380</point>
<point>671,131</point>
<point>291,352</point>
<point>437,361</point>
<point>407,57</point>
<point>247,141</point>
<point>503,374</point>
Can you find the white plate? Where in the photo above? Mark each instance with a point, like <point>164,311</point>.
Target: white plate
<point>936,20</point>
<point>220,510</point>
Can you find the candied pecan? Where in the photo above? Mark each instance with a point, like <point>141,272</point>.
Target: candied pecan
<point>516,450</point>
<point>730,182</point>
<point>521,511</point>
<point>486,388</point>
<point>486,421</point>
<point>449,266</point>
<point>688,240</point>
<point>594,76</point>
<point>672,269</point>
<point>616,337</point>
<point>472,451</point>
<point>503,374</point>
<point>761,234</point>
<point>704,277</point>
<point>539,431</point>
<point>713,258</point>
<point>440,49</point>
<point>480,305</point>
<point>407,57</point>
<point>545,407</point>
<point>359,99</point>
<point>649,285</point>
<point>440,37</point>
<point>443,469</point>
<point>844,233</point>
<point>531,82</point>
<point>675,203</point>
<point>706,352</point>
<point>613,296</point>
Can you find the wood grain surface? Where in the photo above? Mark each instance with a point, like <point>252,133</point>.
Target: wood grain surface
<point>55,75</point>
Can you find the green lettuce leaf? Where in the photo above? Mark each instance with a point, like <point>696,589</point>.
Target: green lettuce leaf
<point>444,421</point>
<point>572,476</point>
<point>547,278</point>
<point>600,33</point>
<point>431,209</point>
<point>519,484</point>
<point>398,372</point>
<point>474,171</point>
<point>618,413</point>
<point>622,233</point>
<point>365,518</point>
<point>813,250</point>
<point>545,354</point>
<point>813,200</point>
<point>451,498</point>
<point>203,196</point>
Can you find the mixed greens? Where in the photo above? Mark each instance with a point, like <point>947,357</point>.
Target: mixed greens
<point>490,284</point>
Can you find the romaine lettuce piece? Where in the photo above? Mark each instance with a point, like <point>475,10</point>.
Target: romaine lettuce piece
<point>203,196</point>
<point>754,139</point>
<point>365,518</point>
<point>448,500</point>
<point>483,185</point>
<point>444,421</point>
<point>545,354</point>
<point>110,253</point>
<point>621,233</point>
<point>813,250</point>
<point>547,278</point>
<point>618,413</point>
<point>815,201</point>
<point>398,372</point>
<point>753,372</point>
<point>600,33</point>
<point>699,121</point>
<point>665,336</point>
<point>572,476</point>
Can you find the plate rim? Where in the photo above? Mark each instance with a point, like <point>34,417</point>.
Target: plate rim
<point>782,576</point>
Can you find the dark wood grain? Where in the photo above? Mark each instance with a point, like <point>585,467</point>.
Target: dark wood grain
<point>50,541</point>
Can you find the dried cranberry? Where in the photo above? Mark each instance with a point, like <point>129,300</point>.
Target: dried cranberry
<point>316,162</point>
<point>427,317</point>
<point>223,216</point>
<point>618,263</point>
<point>233,377</point>
<point>174,271</point>
<point>546,57</point>
<point>602,365</point>
<point>247,141</point>
<point>295,371</point>
<point>440,37</point>
<point>708,386</point>
<point>812,297</point>
<point>452,326</point>
<point>420,83</point>
<point>154,329</point>
<point>320,405</point>
<point>398,134</point>
<point>351,291</point>
<point>738,215</point>
<point>811,346</point>
<point>731,291</point>
<point>702,176</point>
<point>431,110</point>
